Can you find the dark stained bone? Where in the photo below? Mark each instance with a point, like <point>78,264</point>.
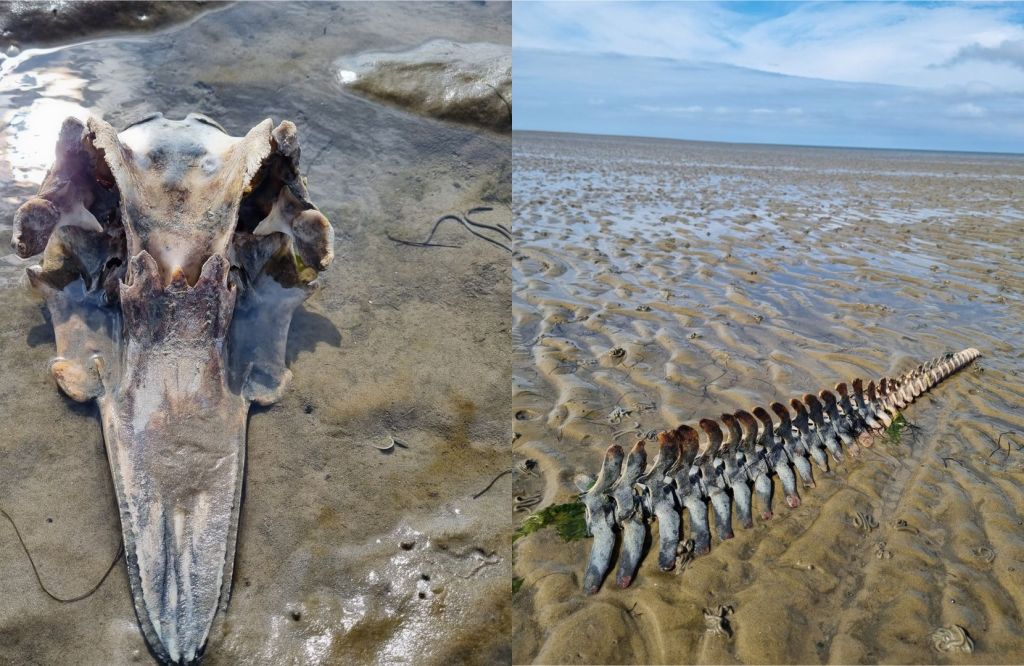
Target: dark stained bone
<point>660,491</point>
<point>875,407</point>
<point>811,444</point>
<point>690,474</point>
<point>885,399</point>
<point>629,514</point>
<point>714,479</point>
<point>601,520</point>
<point>793,444</point>
<point>841,426</point>
<point>690,491</point>
<point>862,407</point>
<point>825,430</point>
<point>777,458</point>
<point>758,469</point>
<point>736,475</point>
<point>849,409</point>
<point>173,258</point>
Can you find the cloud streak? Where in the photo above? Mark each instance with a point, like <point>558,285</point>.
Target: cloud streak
<point>1010,52</point>
<point>705,101</point>
<point>944,76</point>
<point>895,43</point>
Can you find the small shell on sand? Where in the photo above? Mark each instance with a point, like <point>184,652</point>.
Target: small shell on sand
<point>716,621</point>
<point>984,553</point>
<point>864,521</point>
<point>952,640</point>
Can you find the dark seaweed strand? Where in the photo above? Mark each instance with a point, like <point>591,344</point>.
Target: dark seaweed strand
<point>401,241</point>
<point>427,243</point>
<point>499,228</point>
<point>489,240</point>
<point>443,218</point>
<point>42,586</point>
<point>468,224</point>
<point>753,457</point>
<point>493,481</point>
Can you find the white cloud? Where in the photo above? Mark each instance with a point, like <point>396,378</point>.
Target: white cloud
<point>661,97</point>
<point>658,30</point>
<point>675,110</point>
<point>1009,51</point>
<point>925,46</point>
<point>966,110</point>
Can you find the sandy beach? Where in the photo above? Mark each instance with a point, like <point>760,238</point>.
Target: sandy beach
<point>659,282</point>
<point>346,554</point>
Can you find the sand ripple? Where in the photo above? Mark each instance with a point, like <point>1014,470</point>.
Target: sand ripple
<point>660,282</point>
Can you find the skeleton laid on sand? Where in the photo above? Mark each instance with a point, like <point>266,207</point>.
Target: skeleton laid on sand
<point>719,470</point>
<point>173,257</point>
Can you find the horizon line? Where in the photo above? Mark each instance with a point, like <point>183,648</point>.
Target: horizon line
<point>776,145</point>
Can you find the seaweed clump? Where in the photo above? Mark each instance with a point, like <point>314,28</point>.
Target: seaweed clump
<point>569,521</point>
<point>894,433</point>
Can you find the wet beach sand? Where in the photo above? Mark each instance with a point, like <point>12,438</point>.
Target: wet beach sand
<point>681,280</point>
<point>346,554</point>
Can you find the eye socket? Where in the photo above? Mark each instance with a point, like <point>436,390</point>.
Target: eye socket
<point>262,192</point>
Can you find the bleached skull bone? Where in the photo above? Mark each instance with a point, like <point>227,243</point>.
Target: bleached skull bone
<point>173,258</point>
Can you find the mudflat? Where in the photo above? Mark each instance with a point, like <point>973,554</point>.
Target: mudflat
<point>659,282</point>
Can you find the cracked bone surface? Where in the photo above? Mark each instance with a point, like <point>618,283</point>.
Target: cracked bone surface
<point>173,257</point>
<point>675,482</point>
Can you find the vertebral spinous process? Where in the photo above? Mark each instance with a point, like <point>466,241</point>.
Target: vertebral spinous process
<point>733,462</point>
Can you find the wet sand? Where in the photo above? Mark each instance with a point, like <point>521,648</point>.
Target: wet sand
<point>346,554</point>
<point>731,276</point>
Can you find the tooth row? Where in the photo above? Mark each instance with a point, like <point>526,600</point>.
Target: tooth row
<point>724,464</point>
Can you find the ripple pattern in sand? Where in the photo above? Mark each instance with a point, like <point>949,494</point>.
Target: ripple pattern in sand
<point>659,282</point>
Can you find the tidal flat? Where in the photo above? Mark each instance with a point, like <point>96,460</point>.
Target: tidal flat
<point>351,549</point>
<point>659,282</point>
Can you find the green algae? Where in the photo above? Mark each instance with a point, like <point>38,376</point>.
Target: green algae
<point>569,521</point>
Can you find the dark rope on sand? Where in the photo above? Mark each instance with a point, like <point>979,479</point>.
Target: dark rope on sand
<point>17,532</point>
<point>468,224</point>
<point>415,243</point>
<point>499,228</point>
<point>999,444</point>
<point>443,218</point>
<point>493,481</point>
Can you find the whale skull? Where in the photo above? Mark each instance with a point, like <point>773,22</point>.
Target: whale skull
<point>173,257</point>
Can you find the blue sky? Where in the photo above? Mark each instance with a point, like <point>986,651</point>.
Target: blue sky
<point>939,76</point>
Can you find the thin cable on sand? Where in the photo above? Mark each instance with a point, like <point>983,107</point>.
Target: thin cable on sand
<point>17,532</point>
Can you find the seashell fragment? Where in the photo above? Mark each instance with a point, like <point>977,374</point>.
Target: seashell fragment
<point>952,640</point>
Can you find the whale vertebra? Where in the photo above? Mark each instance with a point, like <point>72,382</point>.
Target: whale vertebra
<point>690,472</point>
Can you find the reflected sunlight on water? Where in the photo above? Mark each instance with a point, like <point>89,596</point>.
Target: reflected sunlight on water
<point>30,131</point>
